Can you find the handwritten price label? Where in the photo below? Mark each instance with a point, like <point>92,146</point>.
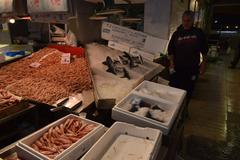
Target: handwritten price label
<point>66,58</point>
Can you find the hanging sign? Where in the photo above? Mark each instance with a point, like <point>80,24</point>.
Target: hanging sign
<point>116,33</point>
<point>133,39</point>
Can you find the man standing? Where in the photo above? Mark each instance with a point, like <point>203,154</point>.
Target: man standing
<point>184,50</point>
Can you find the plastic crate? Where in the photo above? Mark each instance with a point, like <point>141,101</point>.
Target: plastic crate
<point>78,51</point>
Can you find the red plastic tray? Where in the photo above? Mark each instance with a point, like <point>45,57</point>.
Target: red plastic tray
<point>79,52</point>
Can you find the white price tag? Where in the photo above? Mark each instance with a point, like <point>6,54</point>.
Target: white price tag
<point>66,58</point>
<point>35,64</point>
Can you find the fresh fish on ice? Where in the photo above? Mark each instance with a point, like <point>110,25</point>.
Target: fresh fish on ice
<point>138,59</point>
<point>126,74</point>
<point>123,60</point>
<point>142,111</point>
<point>131,62</point>
<point>134,108</point>
<point>135,101</point>
<point>156,107</point>
<point>111,68</point>
<point>144,104</point>
<point>159,115</point>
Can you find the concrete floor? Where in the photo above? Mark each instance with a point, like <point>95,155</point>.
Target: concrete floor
<point>213,130</point>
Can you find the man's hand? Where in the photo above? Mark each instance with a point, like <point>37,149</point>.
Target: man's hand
<point>171,66</point>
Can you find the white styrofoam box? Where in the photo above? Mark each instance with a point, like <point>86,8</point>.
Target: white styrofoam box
<point>121,112</point>
<point>118,46</point>
<point>122,140</point>
<point>75,150</point>
<point>23,153</point>
<point>160,91</point>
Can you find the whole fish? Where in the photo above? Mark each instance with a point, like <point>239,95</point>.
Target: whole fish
<point>131,62</point>
<point>142,111</point>
<point>138,59</point>
<point>123,60</point>
<point>159,115</point>
<point>126,74</point>
<point>111,67</point>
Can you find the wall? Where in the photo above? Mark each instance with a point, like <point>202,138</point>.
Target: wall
<point>86,30</point>
<point>178,7</point>
<point>5,35</point>
<point>157,18</point>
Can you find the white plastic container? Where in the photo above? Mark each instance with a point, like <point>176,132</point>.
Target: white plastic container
<point>121,112</point>
<point>160,91</point>
<point>24,153</point>
<point>126,141</point>
<point>73,152</point>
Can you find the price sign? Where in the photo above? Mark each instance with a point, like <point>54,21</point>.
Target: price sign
<point>66,58</point>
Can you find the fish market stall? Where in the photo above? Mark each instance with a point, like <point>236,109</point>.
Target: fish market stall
<point>155,110</point>
<point>44,77</point>
<point>151,105</point>
<point>115,74</point>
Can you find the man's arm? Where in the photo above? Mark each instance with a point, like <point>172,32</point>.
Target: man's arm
<point>172,50</point>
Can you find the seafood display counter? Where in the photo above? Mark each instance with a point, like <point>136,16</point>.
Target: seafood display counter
<point>49,83</point>
<point>44,77</point>
<point>116,73</point>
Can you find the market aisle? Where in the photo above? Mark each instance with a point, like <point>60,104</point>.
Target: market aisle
<point>212,132</point>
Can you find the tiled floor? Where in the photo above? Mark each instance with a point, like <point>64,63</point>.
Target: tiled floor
<point>213,130</point>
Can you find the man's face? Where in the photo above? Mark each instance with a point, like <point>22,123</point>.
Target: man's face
<point>187,22</point>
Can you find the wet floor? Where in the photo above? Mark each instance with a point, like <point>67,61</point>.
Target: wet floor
<point>213,130</point>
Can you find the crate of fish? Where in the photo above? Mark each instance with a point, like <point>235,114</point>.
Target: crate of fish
<point>160,91</point>
<point>146,111</point>
<point>126,141</point>
<point>67,138</point>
